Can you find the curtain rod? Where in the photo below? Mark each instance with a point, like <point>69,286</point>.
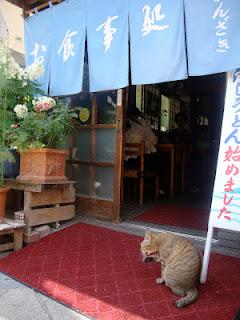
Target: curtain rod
<point>41,6</point>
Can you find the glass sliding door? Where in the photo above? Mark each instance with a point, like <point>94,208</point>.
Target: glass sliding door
<point>96,154</point>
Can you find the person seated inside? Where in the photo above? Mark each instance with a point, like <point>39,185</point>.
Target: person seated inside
<point>138,130</point>
<point>181,134</point>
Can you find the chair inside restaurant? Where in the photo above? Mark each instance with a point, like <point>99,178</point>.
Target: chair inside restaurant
<point>136,170</point>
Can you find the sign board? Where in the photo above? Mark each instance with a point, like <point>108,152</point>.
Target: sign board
<point>225,207</point>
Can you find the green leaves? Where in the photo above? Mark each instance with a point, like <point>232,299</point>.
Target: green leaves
<point>28,121</point>
<point>17,86</point>
<point>42,129</point>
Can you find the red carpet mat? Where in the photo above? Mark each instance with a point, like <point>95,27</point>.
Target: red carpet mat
<point>100,273</point>
<point>173,215</point>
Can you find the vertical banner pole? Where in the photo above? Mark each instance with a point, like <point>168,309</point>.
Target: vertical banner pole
<point>206,255</point>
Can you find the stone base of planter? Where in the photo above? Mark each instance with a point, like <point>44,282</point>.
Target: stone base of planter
<point>43,165</point>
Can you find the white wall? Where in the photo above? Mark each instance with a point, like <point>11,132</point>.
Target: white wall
<point>15,23</point>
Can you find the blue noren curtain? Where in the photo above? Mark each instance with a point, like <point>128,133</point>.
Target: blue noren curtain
<point>157,41</point>
<point>213,35</point>
<point>68,44</point>
<point>107,39</point>
<point>38,43</point>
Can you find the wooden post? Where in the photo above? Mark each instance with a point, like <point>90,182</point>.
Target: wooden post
<point>27,207</point>
<point>17,239</point>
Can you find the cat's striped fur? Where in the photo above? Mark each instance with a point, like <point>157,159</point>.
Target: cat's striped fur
<point>180,262</point>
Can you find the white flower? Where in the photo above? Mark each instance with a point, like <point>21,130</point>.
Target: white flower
<point>11,69</point>
<point>21,110</point>
<point>4,59</point>
<point>33,71</point>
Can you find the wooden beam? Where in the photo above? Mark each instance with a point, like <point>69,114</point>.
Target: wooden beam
<point>31,6</point>
<point>18,3</point>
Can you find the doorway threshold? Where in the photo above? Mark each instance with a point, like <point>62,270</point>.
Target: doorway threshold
<point>139,229</point>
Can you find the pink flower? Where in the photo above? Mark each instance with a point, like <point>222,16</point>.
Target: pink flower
<point>15,125</point>
<point>44,103</point>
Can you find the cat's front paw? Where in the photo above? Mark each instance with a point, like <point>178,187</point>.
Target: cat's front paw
<point>160,280</point>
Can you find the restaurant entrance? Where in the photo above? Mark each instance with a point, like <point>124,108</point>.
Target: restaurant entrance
<point>186,171</point>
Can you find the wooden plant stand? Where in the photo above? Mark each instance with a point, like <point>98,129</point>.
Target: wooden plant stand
<point>48,202</point>
<point>12,227</point>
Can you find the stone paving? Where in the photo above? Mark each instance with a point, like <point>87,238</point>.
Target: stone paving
<point>19,302</point>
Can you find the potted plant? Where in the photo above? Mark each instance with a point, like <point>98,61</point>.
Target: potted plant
<point>5,155</point>
<point>33,123</point>
<point>39,133</point>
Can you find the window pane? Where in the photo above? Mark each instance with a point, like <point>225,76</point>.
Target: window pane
<point>105,145</point>
<point>81,149</point>
<point>106,107</point>
<point>103,184</point>
<point>80,174</point>
<point>65,143</point>
<point>83,105</point>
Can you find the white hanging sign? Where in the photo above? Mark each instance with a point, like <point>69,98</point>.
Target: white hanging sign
<point>225,208</point>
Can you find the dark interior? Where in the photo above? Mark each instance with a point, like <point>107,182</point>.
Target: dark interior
<point>201,99</point>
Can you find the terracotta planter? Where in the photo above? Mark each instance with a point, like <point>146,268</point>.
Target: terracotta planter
<point>3,199</point>
<point>43,165</point>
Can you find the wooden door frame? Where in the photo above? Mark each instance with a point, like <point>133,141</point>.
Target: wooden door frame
<point>106,209</point>
<point>120,133</point>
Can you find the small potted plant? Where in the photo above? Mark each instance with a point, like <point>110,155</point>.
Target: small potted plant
<point>5,155</point>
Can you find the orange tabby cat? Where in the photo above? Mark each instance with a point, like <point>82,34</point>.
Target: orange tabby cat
<point>180,263</point>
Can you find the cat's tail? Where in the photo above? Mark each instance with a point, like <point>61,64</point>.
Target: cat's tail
<point>190,297</point>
